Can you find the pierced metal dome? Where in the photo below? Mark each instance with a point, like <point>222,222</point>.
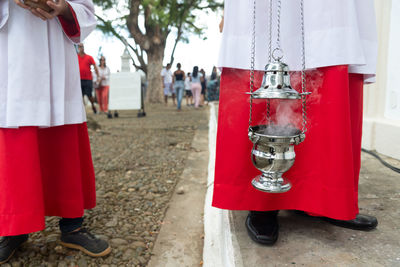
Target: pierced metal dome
<point>276,83</point>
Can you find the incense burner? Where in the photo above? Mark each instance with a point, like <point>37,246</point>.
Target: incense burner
<point>273,154</point>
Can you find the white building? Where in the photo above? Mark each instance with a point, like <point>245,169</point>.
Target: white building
<point>382,100</point>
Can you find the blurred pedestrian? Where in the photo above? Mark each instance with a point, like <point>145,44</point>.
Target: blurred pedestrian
<point>212,86</point>
<point>85,63</point>
<point>166,76</point>
<point>46,166</point>
<point>188,95</point>
<point>196,80</point>
<point>203,87</point>
<point>179,84</point>
<point>103,87</point>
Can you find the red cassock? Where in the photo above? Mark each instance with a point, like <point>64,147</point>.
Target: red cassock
<point>325,174</point>
<point>45,172</point>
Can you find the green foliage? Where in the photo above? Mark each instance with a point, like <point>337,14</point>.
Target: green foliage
<point>105,4</point>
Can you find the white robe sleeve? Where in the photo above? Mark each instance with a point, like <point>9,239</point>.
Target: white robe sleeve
<point>84,11</point>
<point>3,13</point>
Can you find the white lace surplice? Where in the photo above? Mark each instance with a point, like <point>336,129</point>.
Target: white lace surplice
<point>337,32</point>
<point>39,72</point>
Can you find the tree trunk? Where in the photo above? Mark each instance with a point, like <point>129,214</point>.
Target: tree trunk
<point>154,66</point>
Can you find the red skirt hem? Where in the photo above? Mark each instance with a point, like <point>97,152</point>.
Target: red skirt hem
<point>44,172</point>
<point>325,174</point>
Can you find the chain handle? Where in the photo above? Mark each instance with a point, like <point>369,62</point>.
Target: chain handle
<point>270,32</point>
<point>304,92</point>
<point>252,62</point>
<point>303,72</point>
<point>278,21</point>
<point>269,57</point>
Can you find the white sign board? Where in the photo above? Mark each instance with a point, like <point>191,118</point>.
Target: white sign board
<point>125,91</point>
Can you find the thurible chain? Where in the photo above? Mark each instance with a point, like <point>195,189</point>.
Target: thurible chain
<point>252,62</point>
<point>303,72</point>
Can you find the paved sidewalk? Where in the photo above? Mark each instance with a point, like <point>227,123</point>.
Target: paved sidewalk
<point>305,241</point>
<point>180,241</point>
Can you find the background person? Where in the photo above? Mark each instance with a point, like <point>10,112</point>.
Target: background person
<point>203,87</point>
<point>166,76</point>
<point>212,86</point>
<point>188,95</point>
<point>44,127</point>
<point>103,88</point>
<point>179,84</point>
<point>195,80</point>
<point>85,64</point>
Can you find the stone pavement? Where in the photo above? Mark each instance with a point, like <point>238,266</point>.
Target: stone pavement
<point>306,241</point>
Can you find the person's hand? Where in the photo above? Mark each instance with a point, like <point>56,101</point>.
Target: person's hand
<point>19,3</point>
<point>59,8</point>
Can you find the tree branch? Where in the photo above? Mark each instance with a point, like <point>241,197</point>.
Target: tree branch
<point>139,54</point>
<point>133,25</point>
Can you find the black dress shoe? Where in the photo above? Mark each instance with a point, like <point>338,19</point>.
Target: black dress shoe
<point>9,244</point>
<point>263,227</point>
<point>361,222</point>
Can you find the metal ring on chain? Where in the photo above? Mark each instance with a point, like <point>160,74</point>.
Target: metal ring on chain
<point>279,56</point>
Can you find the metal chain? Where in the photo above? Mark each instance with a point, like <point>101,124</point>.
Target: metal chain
<point>278,21</point>
<point>252,62</point>
<point>269,56</point>
<point>303,58</point>
<point>303,72</point>
<point>270,32</point>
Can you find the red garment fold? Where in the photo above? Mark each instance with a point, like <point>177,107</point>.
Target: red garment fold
<point>71,28</point>
<point>44,172</point>
<point>325,174</point>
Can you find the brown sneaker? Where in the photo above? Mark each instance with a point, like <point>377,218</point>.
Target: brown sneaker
<point>86,242</point>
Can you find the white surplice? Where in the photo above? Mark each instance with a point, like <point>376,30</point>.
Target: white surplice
<point>39,71</point>
<point>337,32</point>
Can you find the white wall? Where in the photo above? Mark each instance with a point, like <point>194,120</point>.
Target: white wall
<point>382,100</point>
<point>392,109</point>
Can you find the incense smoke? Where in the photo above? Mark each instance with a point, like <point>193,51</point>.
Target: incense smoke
<point>286,115</point>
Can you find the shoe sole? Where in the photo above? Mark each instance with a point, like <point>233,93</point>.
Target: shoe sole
<point>12,253</point>
<point>84,250</point>
<point>9,257</point>
<point>357,228</point>
<point>260,241</point>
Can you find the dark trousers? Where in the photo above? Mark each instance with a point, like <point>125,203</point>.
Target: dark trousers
<point>68,225</point>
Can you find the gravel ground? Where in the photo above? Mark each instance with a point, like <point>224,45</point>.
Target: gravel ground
<point>138,162</point>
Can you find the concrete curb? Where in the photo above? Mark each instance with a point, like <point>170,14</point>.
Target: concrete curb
<point>180,241</point>
<point>219,242</point>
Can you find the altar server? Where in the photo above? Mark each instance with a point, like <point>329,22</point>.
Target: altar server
<point>341,52</point>
<point>45,160</point>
